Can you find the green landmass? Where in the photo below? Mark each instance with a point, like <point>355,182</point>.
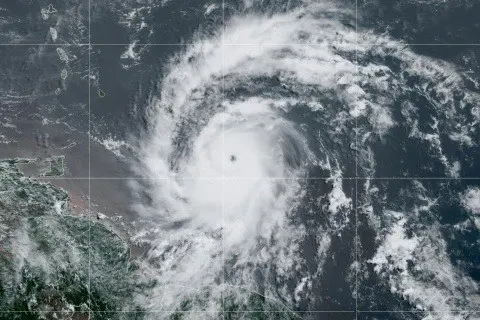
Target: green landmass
<point>55,264</point>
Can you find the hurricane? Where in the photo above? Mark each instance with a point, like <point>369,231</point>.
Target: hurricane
<point>240,159</point>
<point>259,162</point>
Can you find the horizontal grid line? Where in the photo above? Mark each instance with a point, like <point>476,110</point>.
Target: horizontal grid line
<point>253,178</point>
<point>238,44</point>
<point>251,311</point>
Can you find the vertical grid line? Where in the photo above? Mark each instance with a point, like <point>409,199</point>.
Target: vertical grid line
<point>222,291</point>
<point>357,264</point>
<point>89,161</point>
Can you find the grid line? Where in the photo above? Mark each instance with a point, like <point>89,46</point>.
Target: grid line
<point>254,178</point>
<point>252,311</point>
<point>223,270</point>
<point>356,167</point>
<point>89,161</point>
<point>239,44</point>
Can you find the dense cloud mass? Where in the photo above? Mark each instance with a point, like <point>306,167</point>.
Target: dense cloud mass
<point>247,118</point>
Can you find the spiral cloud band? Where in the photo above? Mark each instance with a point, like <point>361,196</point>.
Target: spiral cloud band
<point>244,124</point>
